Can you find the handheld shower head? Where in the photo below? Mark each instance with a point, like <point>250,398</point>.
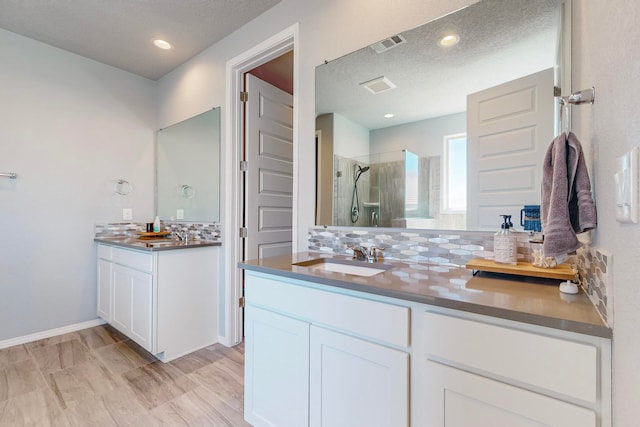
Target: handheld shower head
<point>360,171</point>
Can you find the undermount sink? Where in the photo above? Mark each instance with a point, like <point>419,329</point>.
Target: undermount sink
<point>356,268</point>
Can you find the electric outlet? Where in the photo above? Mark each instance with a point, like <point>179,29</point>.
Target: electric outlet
<point>180,214</point>
<point>127,214</point>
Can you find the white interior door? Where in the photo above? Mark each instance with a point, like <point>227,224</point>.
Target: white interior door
<point>508,130</point>
<point>269,177</point>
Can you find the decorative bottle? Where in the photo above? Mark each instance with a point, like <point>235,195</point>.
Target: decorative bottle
<point>156,225</point>
<point>505,244</point>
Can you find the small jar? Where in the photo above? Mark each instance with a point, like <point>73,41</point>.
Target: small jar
<point>537,256</point>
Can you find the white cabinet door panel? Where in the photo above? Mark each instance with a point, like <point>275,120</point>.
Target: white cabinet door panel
<point>141,308</point>
<point>104,289</point>
<point>457,398</point>
<point>121,298</point>
<point>276,369</point>
<point>356,383</point>
<point>132,304</point>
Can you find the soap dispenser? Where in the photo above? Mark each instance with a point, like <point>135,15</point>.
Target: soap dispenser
<point>156,225</point>
<point>505,246</point>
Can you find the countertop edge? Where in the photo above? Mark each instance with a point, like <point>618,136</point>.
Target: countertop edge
<point>138,245</point>
<point>518,316</point>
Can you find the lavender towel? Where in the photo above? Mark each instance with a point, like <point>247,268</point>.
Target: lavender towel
<point>567,206</point>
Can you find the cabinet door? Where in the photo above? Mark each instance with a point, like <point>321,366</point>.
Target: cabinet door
<point>104,289</point>
<point>356,383</point>
<point>133,305</point>
<point>457,398</point>
<point>276,369</point>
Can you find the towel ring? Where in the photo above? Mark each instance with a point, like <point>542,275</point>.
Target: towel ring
<point>187,191</point>
<point>122,187</point>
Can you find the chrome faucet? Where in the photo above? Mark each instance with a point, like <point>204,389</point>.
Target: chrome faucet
<point>363,254</point>
<point>183,236</point>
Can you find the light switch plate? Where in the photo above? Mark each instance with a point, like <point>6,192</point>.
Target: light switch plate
<point>626,180</point>
<point>127,214</point>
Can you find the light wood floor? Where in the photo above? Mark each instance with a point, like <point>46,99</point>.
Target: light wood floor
<point>98,377</point>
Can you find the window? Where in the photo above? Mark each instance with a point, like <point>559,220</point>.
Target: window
<point>454,174</point>
<point>411,183</point>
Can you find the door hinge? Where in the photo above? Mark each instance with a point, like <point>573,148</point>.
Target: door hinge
<point>244,166</point>
<point>557,91</point>
<point>244,96</point>
<point>241,302</point>
<point>243,232</point>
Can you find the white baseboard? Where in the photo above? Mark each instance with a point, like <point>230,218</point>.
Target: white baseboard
<point>50,333</point>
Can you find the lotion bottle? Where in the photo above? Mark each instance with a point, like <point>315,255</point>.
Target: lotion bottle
<point>505,244</point>
<point>156,225</point>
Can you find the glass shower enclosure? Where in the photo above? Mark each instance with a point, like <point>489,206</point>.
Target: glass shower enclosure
<point>381,190</point>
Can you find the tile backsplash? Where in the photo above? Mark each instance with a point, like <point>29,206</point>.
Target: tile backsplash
<point>433,246</point>
<point>595,268</point>
<point>200,230</point>
<point>458,247</point>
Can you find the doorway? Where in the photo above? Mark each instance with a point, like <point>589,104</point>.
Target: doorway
<point>237,68</point>
<point>268,151</point>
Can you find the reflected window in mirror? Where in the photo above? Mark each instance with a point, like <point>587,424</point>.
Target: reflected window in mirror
<point>454,182</point>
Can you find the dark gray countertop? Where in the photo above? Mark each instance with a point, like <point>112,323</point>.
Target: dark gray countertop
<point>529,300</point>
<point>154,244</point>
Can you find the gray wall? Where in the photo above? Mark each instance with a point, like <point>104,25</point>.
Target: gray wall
<point>610,127</point>
<point>70,128</point>
<point>425,137</point>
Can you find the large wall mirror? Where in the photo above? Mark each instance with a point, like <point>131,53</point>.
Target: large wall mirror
<point>188,169</point>
<point>406,128</point>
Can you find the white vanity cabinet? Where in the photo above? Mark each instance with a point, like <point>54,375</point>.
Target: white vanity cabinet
<point>320,358</point>
<point>477,373</point>
<point>323,355</point>
<point>166,301</point>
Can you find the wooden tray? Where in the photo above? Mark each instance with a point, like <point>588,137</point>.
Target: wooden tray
<point>152,235</point>
<point>562,271</point>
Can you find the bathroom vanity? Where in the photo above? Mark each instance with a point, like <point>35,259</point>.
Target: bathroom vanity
<point>418,344</point>
<point>162,295</point>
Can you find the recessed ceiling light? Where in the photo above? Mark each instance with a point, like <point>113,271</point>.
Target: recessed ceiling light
<point>388,115</point>
<point>449,40</point>
<point>162,44</point>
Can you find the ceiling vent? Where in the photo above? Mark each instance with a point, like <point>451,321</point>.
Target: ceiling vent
<point>378,85</point>
<point>390,43</point>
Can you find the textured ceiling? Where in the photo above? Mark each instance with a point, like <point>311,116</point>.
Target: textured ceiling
<point>500,40</point>
<point>119,32</point>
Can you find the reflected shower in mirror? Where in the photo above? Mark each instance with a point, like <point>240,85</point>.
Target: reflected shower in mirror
<point>188,169</point>
<point>409,94</point>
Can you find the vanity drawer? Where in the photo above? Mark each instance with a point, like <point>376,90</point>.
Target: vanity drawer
<point>553,364</point>
<point>134,259</point>
<point>345,313</point>
<point>104,252</point>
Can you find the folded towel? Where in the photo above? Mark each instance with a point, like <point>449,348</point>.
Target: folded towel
<point>567,206</point>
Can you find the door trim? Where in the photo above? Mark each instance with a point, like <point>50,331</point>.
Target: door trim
<point>265,51</point>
